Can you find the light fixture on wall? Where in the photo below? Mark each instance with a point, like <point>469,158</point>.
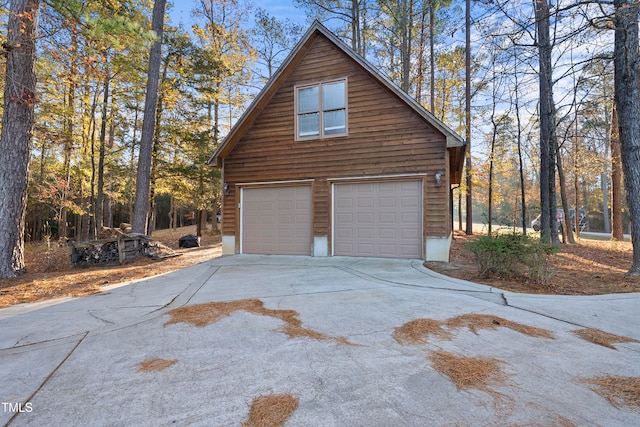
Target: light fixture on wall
<point>438,176</point>
<point>225,188</point>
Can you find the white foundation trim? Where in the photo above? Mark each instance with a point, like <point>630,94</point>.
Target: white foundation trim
<point>228,245</point>
<point>437,248</point>
<point>320,246</point>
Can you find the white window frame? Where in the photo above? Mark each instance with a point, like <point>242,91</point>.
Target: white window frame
<point>321,131</point>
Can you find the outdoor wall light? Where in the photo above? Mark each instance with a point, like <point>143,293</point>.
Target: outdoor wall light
<point>438,177</point>
<point>225,188</point>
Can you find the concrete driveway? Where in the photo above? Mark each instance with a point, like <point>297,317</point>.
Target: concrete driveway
<point>79,362</point>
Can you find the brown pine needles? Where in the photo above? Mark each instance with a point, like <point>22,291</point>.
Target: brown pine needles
<point>418,330</point>
<point>155,364</point>
<point>619,391</point>
<point>602,338</point>
<point>469,372</point>
<point>271,410</point>
<point>203,314</point>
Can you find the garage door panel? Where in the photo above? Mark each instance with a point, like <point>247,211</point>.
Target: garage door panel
<point>409,201</point>
<point>276,220</point>
<point>387,202</point>
<point>385,217</point>
<point>378,219</point>
<point>365,202</point>
<point>410,217</point>
<point>366,249</point>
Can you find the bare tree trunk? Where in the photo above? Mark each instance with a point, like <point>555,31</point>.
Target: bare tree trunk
<point>17,127</point>
<point>356,32</point>
<point>141,210</point>
<point>627,97</point>
<point>467,60</point>
<point>108,198</point>
<point>432,56</point>
<point>519,141</point>
<point>492,153</point>
<point>576,186</point>
<point>604,185</point>
<point>68,139</point>
<point>132,167</point>
<point>491,159</point>
<point>567,227</point>
<point>405,22</point>
<point>421,52</point>
<point>92,198</point>
<point>99,216</point>
<point>548,231</point>
<point>616,178</point>
<point>459,209</point>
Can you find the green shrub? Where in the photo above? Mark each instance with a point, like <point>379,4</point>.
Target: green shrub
<point>510,254</point>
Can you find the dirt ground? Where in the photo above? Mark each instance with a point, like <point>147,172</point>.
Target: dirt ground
<point>587,268</point>
<point>51,275</point>
<point>590,267</point>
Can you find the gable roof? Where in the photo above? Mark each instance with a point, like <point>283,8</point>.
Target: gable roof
<point>287,67</point>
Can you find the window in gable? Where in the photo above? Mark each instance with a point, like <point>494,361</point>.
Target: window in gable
<point>321,110</point>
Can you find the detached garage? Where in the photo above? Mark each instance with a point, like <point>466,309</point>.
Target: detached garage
<point>333,159</point>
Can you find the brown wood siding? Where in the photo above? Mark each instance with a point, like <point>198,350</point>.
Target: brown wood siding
<point>385,137</point>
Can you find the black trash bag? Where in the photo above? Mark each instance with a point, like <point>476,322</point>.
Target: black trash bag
<point>189,241</point>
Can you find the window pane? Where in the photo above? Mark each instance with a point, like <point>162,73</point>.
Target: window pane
<point>308,99</point>
<point>334,122</point>
<point>333,96</point>
<point>309,124</point>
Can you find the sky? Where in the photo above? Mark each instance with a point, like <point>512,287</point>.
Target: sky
<point>280,9</point>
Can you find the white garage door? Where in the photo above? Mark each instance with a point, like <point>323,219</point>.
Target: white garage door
<point>276,220</point>
<point>378,219</point>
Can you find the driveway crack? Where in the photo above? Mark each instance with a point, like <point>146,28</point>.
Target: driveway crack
<point>100,318</point>
<point>46,380</point>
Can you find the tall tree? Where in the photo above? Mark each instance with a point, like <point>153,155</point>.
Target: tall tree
<point>627,97</point>
<point>516,103</point>
<point>548,140</point>
<point>274,39</point>
<point>17,128</point>
<point>616,178</point>
<point>353,13</point>
<point>468,165</point>
<point>143,179</point>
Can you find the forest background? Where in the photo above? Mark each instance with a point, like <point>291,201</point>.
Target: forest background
<point>92,59</point>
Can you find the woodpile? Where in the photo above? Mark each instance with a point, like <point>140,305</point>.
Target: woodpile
<point>114,246</point>
<point>99,252</point>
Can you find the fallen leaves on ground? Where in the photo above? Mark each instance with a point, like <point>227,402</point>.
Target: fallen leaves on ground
<point>271,410</point>
<point>203,314</point>
<point>51,275</point>
<point>602,338</point>
<point>589,267</point>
